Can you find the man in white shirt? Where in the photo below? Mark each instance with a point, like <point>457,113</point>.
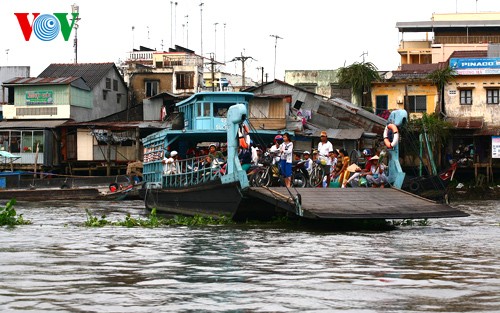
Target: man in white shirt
<point>170,165</point>
<point>324,147</point>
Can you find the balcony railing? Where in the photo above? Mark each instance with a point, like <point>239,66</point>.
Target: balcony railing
<point>466,39</point>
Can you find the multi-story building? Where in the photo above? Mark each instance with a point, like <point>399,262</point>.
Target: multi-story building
<point>61,93</point>
<point>149,73</point>
<point>446,33</point>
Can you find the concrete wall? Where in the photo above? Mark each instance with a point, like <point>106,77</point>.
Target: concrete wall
<point>103,108</point>
<point>479,107</point>
<point>320,79</point>
<point>396,91</point>
<point>8,72</point>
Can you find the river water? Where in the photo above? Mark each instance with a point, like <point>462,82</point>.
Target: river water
<point>59,265</point>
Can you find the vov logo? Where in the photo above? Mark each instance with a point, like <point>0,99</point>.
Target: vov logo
<point>46,27</point>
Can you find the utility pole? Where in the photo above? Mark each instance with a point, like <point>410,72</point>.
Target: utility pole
<point>224,43</point>
<point>215,41</point>
<point>175,24</point>
<point>133,38</point>
<point>363,55</point>
<point>212,64</point>
<point>171,23</point>
<point>201,31</point>
<point>75,11</point>
<point>187,31</point>
<point>261,78</point>
<point>276,37</point>
<point>243,59</point>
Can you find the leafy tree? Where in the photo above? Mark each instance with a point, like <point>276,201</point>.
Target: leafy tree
<point>438,132</point>
<point>441,77</point>
<point>359,77</point>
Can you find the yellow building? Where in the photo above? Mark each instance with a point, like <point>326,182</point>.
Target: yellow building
<point>407,89</point>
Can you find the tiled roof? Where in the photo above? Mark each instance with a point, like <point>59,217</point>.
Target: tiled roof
<point>420,68</point>
<point>415,71</point>
<point>40,80</point>
<point>92,73</point>
<point>469,54</point>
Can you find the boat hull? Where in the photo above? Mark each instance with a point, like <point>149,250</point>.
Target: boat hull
<point>209,200</point>
<point>50,194</point>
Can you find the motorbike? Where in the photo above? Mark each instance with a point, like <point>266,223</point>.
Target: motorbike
<point>464,156</point>
<point>270,176</point>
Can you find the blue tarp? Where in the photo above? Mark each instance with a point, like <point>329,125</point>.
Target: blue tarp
<point>8,155</point>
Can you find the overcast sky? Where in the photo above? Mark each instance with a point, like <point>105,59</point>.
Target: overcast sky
<point>315,34</point>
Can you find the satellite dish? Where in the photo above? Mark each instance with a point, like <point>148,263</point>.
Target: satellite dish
<point>388,75</point>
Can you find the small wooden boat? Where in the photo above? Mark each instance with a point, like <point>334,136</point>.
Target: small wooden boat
<point>117,192</point>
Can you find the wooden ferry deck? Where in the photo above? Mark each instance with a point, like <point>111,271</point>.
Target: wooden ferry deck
<point>354,203</point>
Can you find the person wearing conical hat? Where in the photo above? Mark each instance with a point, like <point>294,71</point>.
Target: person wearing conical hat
<point>377,173</point>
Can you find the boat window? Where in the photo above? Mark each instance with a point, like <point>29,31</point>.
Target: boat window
<point>203,109</point>
<point>220,109</point>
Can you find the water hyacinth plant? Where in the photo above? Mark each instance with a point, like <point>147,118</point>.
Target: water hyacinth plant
<point>8,215</point>
<point>153,220</point>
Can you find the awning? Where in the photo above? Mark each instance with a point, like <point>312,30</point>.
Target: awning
<point>31,124</point>
<point>488,131</point>
<point>466,122</point>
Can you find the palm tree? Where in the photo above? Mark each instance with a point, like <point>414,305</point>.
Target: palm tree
<point>440,78</point>
<point>359,77</point>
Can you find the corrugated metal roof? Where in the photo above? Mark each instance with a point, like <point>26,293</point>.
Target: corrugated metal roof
<point>92,73</point>
<point>466,122</point>
<point>40,80</point>
<point>342,134</point>
<point>488,131</point>
<point>121,125</point>
<point>31,124</point>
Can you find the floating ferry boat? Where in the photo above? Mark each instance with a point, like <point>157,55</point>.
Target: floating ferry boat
<point>198,189</point>
<point>214,190</point>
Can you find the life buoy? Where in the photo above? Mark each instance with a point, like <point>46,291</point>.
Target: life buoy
<point>244,136</point>
<point>395,136</point>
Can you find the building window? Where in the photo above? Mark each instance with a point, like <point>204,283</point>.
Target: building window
<point>492,96</point>
<point>108,83</point>
<point>417,104</point>
<point>466,97</point>
<point>30,140</point>
<point>104,95</point>
<point>152,87</point>
<point>118,97</point>
<point>184,80</point>
<point>381,103</point>
<point>115,85</point>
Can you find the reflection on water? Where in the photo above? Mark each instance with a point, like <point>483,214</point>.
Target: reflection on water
<point>57,264</point>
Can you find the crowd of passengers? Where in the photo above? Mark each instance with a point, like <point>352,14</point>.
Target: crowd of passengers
<point>336,164</point>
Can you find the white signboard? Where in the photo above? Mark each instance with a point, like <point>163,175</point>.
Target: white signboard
<point>495,147</point>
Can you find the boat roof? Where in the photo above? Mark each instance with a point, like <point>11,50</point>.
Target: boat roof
<point>214,95</point>
<point>8,155</point>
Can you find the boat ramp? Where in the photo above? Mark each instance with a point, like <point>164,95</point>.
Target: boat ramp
<point>352,203</point>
